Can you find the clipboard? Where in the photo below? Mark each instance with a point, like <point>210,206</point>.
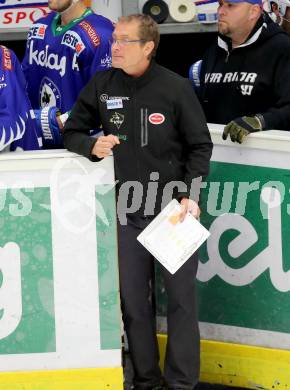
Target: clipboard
<point>172,242</point>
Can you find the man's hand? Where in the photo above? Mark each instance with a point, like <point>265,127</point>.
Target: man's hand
<point>188,206</point>
<point>104,145</point>
<point>239,128</point>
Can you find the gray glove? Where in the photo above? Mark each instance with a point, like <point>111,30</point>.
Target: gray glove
<point>239,128</point>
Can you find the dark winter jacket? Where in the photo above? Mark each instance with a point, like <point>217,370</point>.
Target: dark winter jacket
<point>253,78</point>
<point>157,118</point>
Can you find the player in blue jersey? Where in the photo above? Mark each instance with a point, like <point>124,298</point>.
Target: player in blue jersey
<point>17,123</point>
<point>64,50</point>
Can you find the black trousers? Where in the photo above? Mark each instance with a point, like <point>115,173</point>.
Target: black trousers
<point>136,267</point>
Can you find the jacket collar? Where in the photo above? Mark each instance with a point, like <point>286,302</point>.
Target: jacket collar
<point>137,81</point>
<point>226,43</point>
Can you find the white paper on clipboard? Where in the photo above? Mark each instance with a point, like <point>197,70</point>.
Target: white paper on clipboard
<point>172,242</point>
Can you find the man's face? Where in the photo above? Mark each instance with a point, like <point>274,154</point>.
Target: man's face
<point>275,10</point>
<point>59,5</point>
<point>233,17</point>
<point>286,21</point>
<point>126,55</point>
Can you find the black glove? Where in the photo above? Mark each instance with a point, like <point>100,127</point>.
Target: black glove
<point>239,128</point>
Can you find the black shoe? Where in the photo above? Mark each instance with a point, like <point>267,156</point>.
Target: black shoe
<point>158,387</point>
<point>174,388</point>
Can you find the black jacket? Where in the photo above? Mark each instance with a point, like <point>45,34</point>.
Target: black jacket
<point>157,118</point>
<point>253,78</point>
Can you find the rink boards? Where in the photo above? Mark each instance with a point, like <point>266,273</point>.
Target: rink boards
<point>243,275</point>
<point>60,317</point>
<point>60,321</point>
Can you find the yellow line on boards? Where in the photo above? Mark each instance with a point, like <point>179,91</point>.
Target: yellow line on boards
<point>221,363</point>
<point>241,365</point>
<point>72,379</point>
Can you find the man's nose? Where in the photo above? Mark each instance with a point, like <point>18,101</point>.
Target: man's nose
<point>221,9</point>
<point>114,48</point>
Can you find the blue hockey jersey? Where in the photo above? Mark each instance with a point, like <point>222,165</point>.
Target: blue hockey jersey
<point>60,60</point>
<point>17,126</point>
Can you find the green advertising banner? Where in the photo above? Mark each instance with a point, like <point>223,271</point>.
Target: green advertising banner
<point>244,267</point>
<point>59,285</point>
<point>243,274</point>
<point>106,229</point>
<point>27,323</point>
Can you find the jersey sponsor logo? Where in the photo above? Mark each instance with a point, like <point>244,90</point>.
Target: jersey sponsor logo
<point>94,37</point>
<point>74,64</point>
<point>49,94</point>
<point>117,119</point>
<point>37,31</point>
<point>6,59</point>
<point>156,118</point>
<point>47,60</point>
<point>106,62</point>
<point>244,80</point>
<point>73,40</point>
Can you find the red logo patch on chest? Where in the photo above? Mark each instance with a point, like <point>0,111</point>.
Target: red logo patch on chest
<point>156,118</point>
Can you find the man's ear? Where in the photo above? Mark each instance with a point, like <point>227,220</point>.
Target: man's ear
<point>256,11</point>
<point>149,46</point>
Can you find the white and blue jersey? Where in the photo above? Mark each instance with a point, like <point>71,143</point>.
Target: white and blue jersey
<point>60,60</point>
<point>17,124</point>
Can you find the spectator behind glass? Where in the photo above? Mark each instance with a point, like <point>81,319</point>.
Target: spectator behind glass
<point>244,79</point>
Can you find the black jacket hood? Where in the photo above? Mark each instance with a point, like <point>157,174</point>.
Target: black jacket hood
<point>264,29</point>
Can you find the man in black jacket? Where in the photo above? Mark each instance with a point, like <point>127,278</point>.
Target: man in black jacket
<point>154,124</point>
<point>244,77</point>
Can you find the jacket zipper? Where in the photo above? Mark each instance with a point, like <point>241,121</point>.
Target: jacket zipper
<point>227,57</point>
<point>134,132</point>
<point>144,127</point>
